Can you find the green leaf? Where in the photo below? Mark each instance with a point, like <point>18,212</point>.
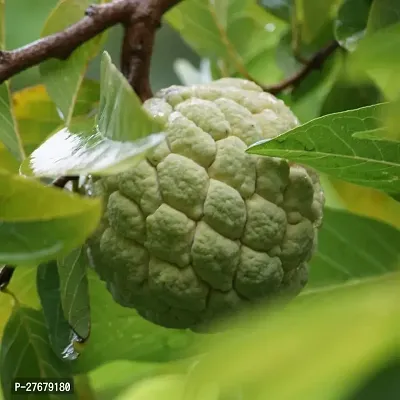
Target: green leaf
<point>26,352</point>
<point>52,223</point>
<point>48,286</point>
<point>383,13</point>
<point>119,333</point>
<point>351,22</point>
<point>121,116</point>
<point>377,55</point>
<point>367,248</point>
<point>323,344</point>
<point>346,95</point>
<point>23,286</point>
<point>215,31</point>
<point>81,149</point>
<point>327,144</point>
<point>64,78</point>
<point>280,8</point>
<point>312,17</point>
<point>74,291</point>
<point>7,161</point>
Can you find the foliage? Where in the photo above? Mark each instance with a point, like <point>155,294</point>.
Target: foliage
<point>339,340</point>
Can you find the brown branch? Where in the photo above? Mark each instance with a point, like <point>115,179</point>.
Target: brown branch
<point>133,14</point>
<point>314,63</point>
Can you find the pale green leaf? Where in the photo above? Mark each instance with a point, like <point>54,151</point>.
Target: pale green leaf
<point>64,78</point>
<point>52,223</point>
<point>121,116</point>
<point>328,145</point>
<point>74,291</point>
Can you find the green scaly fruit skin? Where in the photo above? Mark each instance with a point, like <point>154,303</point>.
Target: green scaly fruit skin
<point>200,229</point>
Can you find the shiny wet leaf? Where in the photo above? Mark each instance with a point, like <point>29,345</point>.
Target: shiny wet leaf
<point>81,149</point>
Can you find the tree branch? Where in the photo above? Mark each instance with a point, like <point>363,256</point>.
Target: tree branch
<point>314,63</point>
<point>141,18</point>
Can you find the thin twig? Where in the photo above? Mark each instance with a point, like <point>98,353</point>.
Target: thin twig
<point>314,63</point>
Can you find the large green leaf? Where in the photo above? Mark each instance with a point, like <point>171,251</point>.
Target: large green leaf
<point>119,333</point>
<point>64,78</point>
<point>351,22</point>
<point>319,347</point>
<point>367,248</point>
<point>59,331</point>
<point>38,223</point>
<point>74,291</point>
<point>327,144</point>
<point>26,352</point>
<point>215,31</point>
<point>121,135</point>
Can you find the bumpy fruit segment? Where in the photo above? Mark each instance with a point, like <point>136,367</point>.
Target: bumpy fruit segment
<point>200,229</point>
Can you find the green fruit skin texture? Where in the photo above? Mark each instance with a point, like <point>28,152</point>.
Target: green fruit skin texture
<point>200,229</point>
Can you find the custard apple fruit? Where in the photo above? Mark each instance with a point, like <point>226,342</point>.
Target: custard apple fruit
<point>200,228</point>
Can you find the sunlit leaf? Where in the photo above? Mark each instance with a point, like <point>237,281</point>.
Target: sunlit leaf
<point>81,149</point>
<point>119,333</point>
<point>367,248</point>
<point>7,161</point>
<point>74,291</point>
<point>37,115</point>
<point>328,145</point>
<point>48,286</point>
<point>64,78</point>
<point>324,344</point>
<point>351,22</point>
<point>365,201</point>
<point>215,31</point>
<point>39,223</point>
<point>23,286</point>
<point>26,352</point>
